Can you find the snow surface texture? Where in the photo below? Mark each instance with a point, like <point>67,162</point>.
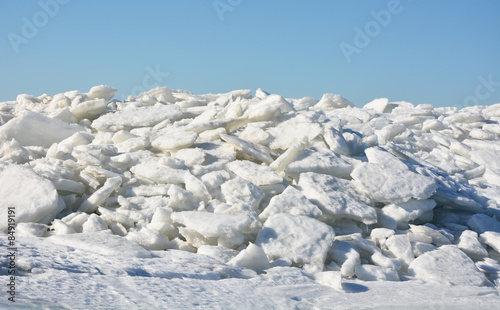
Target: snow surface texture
<point>249,201</point>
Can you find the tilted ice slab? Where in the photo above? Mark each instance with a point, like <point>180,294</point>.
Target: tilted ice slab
<point>33,129</point>
<point>291,201</point>
<point>215,225</point>
<point>301,239</point>
<point>30,197</point>
<point>386,179</point>
<point>336,197</point>
<point>320,161</point>
<point>447,265</point>
<point>257,174</point>
<point>137,117</point>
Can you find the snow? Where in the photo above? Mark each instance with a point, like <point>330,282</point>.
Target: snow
<point>175,200</point>
<point>103,242</point>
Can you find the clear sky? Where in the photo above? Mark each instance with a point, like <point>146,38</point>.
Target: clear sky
<point>446,53</point>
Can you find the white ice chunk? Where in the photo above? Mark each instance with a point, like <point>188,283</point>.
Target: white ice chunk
<point>333,101</point>
<point>113,217</point>
<point>336,197</point>
<point>380,235</point>
<point>301,239</point>
<point>493,128</point>
<point>252,172</point>
<point>381,260</point>
<point>64,115</point>
<point>469,244</point>
<point>196,186</point>
<point>288,156</point>
<point>399,247</point>
<point>181,199</point>
<point>482,222</point>
<point>147,190</point>
<point>345,255</point>
<point>319,161</point>
<point>191,156</point>
<point>416,208</point>
<point>480,134</point>
<point>489,158</point>
<point>138,117</point>
<point>292,131</point>
<point>491,238</point>
<point>131,145</point>
<point>376,273</point>
<point>447,265</point>
<point>291,201</point>
<point>215,179</point>
<point>158,173</point>
<point>388,180</point>
<point>94,223</point>
<point>420,248</point>
<point>433,124</point>
<point>438,238</point>
<point>240,190</point>
<point>33,129</point>
<point>267,108</point>
<point>100,196</point>
<point>160,93</point>
<point>61,228</point>
<point>76,220</point>
<point>492,176</point>
<point>379,105</point>
<point>13,152</point>
<point>171,139</point>
<point>89,109</point>
<point>26,197</point>
<point>397,216</point>
<point>253,257</point>
<point>248,148</point>
<point>254,134</point>
<point>149,239</point>
<point>217,225</point>
<point>102,91</point>
<point>336,141</point>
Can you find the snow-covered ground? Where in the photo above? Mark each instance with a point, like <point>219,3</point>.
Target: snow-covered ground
<point>240,200</point>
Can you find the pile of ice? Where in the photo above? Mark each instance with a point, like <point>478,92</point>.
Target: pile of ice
<point>389,191</point>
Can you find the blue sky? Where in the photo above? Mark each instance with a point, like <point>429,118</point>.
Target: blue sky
<point>446,53</point>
